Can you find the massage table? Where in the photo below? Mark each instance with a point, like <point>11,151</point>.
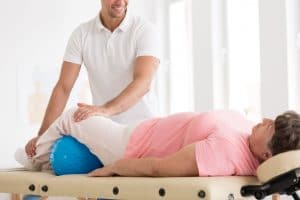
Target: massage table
<point>280,174</point>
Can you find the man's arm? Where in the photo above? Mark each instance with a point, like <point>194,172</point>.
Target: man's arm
<point>60,94</point>
<point>181,163</point>
<point>144,70</point>
<point>68,75</point>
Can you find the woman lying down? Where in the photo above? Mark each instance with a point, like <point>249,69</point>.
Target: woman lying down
<point>218,143</point>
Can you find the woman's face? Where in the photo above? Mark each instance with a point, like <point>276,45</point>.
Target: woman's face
<point>261,135</point>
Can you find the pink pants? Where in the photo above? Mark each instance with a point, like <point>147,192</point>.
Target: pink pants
<point>104,137</point>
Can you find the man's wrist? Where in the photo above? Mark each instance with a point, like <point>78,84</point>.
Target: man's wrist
<point>106,109</point>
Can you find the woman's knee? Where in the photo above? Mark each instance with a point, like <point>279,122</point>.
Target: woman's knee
<point>63,122</point>
<point>71,111</point>
<point>68,114</point>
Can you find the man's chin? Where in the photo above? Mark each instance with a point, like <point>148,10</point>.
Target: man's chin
<point>115,14</point>
<point>118,16</point>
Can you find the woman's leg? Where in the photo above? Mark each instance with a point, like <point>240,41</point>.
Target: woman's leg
<point>105,138</point>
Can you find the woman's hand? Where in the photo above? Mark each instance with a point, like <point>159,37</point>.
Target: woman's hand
<point>102,172</point>
<point>85,111</point>
<point>31,146</point>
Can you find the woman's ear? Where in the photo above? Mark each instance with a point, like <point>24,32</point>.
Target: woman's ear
<point>267,155</point>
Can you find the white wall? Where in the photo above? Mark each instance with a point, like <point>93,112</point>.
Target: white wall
<point>280,56</point>
<point>33,34</point>
<point>202,54</point>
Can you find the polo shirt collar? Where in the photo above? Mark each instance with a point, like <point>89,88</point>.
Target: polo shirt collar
<point>99,24</point>
<point>124,26</point>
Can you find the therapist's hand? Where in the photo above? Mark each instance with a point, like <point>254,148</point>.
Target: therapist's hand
<point>85,111</point>
<point>31,147</point>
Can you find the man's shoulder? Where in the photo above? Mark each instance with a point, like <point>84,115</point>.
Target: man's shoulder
<point>84,26</point>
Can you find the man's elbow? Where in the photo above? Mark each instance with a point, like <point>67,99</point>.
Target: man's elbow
<point>63,89</point>
<point>144,85</point>
<point>146,90</point>
<point>147,86</point>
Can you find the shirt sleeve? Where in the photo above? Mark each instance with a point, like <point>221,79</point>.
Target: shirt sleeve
<point>213,157</point>
<point>148,42</point>
<point>73,52</point>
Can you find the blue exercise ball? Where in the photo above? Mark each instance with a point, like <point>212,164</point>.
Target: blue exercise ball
<point>68,156</point>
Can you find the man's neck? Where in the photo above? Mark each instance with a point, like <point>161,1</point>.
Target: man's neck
<point>109,22</point>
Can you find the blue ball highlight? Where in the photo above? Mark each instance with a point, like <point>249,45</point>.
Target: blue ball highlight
<point>68,156</point>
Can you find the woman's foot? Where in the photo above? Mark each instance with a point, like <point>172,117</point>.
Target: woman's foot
<point>22,158</point>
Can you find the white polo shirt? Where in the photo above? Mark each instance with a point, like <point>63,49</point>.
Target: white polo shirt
<point>109,59</point>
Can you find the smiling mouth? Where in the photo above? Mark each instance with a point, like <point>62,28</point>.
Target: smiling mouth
<point>119,8</point>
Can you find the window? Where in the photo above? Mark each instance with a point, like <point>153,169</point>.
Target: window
<point>244,56</point>
<point>293,43</point>
<point>180,68</point>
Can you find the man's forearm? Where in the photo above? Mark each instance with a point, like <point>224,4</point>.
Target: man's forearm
<point>144,70</point>
<point>128,97</point>
<point>55,107</point>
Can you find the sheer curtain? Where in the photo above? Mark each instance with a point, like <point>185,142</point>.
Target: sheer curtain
<point>180,62</point>
<point>244,56</point>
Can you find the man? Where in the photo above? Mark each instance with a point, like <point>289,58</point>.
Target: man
<point>121,54</point>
